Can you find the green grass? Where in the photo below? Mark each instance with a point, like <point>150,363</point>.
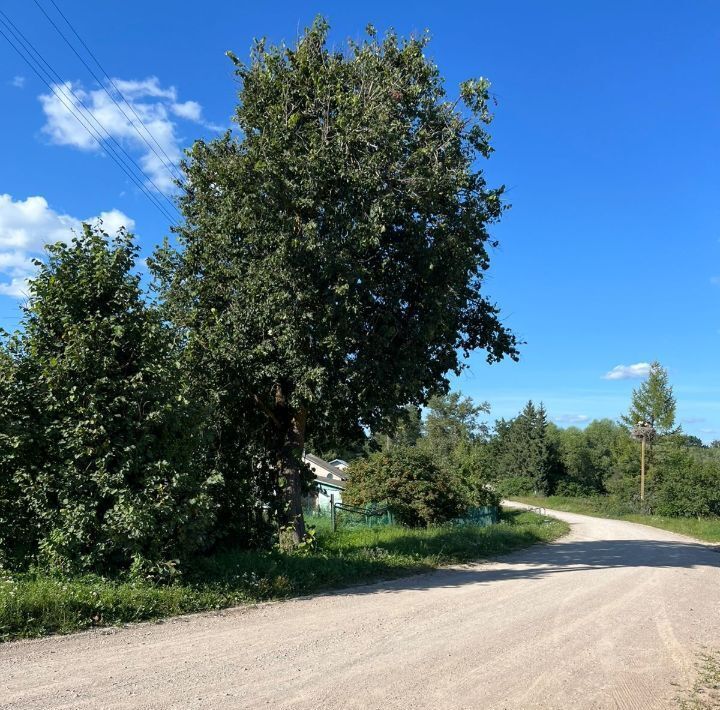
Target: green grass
<point>34,605</point>
<point>705,692</point>
<point>707,529</point>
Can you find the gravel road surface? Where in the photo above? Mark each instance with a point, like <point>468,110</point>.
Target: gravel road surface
<point>611,616</point>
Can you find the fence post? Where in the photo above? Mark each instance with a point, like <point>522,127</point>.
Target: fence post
<point>333,520</point>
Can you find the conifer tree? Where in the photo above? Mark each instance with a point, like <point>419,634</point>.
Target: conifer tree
<point>653,402</point>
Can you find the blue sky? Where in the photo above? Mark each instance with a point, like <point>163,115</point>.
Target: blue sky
<point>607,135</point>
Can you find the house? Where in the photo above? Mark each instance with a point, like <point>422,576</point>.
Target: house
<point>330,480</point>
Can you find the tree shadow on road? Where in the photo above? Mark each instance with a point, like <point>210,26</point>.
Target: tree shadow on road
<point>561,557</point>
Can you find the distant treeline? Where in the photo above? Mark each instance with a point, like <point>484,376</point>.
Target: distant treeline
<point>529,455</point>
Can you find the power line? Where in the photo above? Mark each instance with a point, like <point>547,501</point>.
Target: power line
<point>167,163</point>
<point>17,33</point>
<point>37,69</point>
<point>118,159</point>
<point>171,163</point>
<point>21,48</point>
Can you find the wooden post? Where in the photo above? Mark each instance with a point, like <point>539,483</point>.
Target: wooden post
<point>642,469</point>
<point>333,520</point>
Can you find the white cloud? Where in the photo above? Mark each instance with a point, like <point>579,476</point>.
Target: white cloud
<point>150,101</point>
<point>27,225</point>
<point>628,372</point>
<point>133,89</point>
<point>572,419</point>
<point>18,82</point>
<point>191,110</point>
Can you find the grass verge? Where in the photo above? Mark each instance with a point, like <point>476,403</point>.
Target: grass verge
<point>707,529</point>
<point>705,693</point>
<point>35,605</point>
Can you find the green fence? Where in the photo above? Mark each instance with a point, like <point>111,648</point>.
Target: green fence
<point>482,517</point>
<point>345,516</point>
<point>348,516</point>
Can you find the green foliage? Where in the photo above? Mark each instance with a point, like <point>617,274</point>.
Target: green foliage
<point>409,482</point>
<point>403,430</point>
<point>333,253</point>
<point>32,604</point>
<point>101,444</point>
<point>686,484</point>
<point>653,402</point>
<point>470,466</point>
<point>525,455</point>
<point>593,459</point>
<point>452,421</point>
<point>580,477</point>
<point>17,531</point>
<point>453,436</point>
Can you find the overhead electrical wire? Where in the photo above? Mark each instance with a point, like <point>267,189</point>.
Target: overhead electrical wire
<point>82,120</point>
<point>87,109</point>
<point>82,115</point>
<point>89,128</point>
<point>167,162</point>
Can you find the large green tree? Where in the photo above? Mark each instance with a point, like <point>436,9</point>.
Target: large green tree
<point>331,260</point>
<point>404,429</point>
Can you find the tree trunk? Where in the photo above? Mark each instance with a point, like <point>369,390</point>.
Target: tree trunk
<point>291,425</point>
<point>290,471</point>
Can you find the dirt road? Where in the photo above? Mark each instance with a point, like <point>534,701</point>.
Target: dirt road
<point>611,616</point>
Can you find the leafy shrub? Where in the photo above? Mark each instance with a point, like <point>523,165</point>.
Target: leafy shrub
<point>416,490</point>
<point>17,534</point>
<point>515,486</point>
<point>469,467</point>
<point>686,485</point>
<point>572,489</point>
<point>103,445</point>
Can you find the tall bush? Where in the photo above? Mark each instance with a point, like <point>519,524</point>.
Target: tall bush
<point>686,484</point>
<point>407,479</point>
<point>98,378</point>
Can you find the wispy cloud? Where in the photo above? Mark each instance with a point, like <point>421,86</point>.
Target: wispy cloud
<point>572,419</point>
<point>715,280</point>
<point>154,104</point>
<point>628,372</point>
<point>18,82</point>
<point>693,420</point>
<point>27,225</point>
<point>191,110</point>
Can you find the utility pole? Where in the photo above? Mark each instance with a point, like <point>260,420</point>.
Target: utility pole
<point>644,431</point>
<point>642,469</point>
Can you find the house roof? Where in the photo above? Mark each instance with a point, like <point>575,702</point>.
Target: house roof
<point>322,482</point>
<point>317,463</point>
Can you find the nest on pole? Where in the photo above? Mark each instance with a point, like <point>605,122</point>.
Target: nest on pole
<point>643,430</point>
